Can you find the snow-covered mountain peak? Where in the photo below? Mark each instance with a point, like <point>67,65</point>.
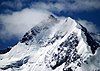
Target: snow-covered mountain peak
<point>55,44</point>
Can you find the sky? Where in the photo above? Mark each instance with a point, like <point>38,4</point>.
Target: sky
<point>19,16</point>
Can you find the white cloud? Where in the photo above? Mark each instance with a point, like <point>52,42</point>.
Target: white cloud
<point>69,5</point>
<point>19,22</point>
<point>90,26</point>
<point>48,6</point>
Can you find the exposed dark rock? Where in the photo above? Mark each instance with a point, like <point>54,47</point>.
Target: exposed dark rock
<point>67,56</point>
<point>91,42</point>
<point>68,69</point>
<point>17,64</point>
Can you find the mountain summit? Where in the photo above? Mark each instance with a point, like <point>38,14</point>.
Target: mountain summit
<point>55,44</point>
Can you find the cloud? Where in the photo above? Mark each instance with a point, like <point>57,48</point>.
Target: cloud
<point>52,5</point>
<point>90,26</point>
<point>48,6</point>
<point>69,5</point>
<point>13,4</point>
<point>18,23</point>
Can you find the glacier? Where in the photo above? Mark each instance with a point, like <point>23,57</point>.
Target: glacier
<point>55,44</point>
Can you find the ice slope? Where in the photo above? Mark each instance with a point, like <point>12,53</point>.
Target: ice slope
<point>56,44</point>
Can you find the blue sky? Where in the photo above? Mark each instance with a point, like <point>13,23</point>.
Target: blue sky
<point>85,11</point>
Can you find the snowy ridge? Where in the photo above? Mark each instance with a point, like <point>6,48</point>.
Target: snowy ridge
<point>56,44</point>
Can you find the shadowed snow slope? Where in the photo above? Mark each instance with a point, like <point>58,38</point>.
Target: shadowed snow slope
<point>55,44</point>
